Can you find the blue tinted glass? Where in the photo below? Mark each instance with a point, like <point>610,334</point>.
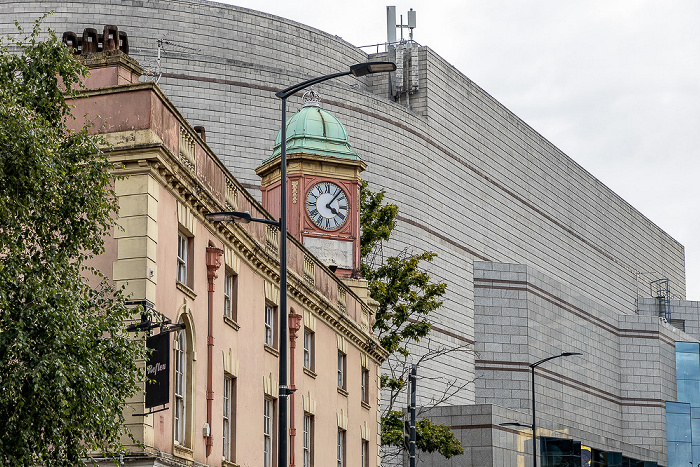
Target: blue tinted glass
<point>679,454</point>
<point>688,390</point>
<point>677,407</point>
<point>687,365</point>
<point>614,459</point>
<point>696,455</point>
<point>695,427</point>
<point>677,427</point>
<point>690,347</point>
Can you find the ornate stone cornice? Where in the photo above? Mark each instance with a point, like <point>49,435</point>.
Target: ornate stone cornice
<point>143,151</point>
<point>158,161</point>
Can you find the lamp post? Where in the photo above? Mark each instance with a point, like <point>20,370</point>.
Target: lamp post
<point>358,70</point>
<point>534,421</point>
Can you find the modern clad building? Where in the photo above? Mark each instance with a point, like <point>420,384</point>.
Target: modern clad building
<point>539,257</point>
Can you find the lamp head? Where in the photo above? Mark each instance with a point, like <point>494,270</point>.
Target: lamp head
<point>362,69</point>
<point>569,354</point>
<point>232,216</point>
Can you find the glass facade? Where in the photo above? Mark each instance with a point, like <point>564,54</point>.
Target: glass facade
<point>559,452</point>
<point>683,416</point>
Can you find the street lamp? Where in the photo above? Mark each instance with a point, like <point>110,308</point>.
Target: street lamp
<point>361,69</point>
<point>521,425</point>
<point>534,422</point>
<point>242,217</point>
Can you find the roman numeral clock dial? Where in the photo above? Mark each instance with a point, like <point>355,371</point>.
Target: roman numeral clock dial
<point>327,205</point>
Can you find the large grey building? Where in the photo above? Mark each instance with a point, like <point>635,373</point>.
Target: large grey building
<point>539,256</point>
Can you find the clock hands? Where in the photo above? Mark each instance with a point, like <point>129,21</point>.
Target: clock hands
<point>328,205</point>
<point>337,193</point>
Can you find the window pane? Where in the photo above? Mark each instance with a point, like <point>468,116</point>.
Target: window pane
<point>308,348</point>
<point>228,383</point>
<point>679,454</point>
<point>687,365</point>
<point>690,347</point>
<point>678,427</point>
<point>181,257</point>
<point>269,325</point>
<point>340,448</point>
<point>228,287</point>
<point>267,433</point>
<point>308,423</point>
<point>180,385</point>
<point>688,391</point>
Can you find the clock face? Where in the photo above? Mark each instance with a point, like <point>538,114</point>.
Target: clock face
<point>327,205</point>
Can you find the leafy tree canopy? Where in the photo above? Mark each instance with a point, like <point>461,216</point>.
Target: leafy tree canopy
<point>406,298</point>
<point>67,365</point>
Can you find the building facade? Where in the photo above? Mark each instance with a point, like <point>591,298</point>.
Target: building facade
<point>539,257</point>
<point>216,287</point>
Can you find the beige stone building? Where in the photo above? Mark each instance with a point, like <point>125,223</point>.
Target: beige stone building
<point>221,280</point>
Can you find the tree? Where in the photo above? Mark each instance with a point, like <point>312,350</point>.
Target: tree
<point>66,362</point>
<point>406,298</point>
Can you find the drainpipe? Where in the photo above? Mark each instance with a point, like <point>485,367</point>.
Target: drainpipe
<point>213,263</point>
<point>294,326</point>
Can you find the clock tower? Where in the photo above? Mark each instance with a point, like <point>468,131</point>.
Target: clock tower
<point>323,186</point>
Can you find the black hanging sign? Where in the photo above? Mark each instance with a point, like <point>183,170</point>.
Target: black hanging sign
<point>158,370</point>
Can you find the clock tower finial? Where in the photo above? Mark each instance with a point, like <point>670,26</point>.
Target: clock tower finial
<point>311,98</point>
<point>324,186</point>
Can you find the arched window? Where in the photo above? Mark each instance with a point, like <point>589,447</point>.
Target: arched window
<point>180,387</point>
<point>183,382</point>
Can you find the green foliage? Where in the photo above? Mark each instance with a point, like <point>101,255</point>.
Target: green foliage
<point>429,436</point>
<point>393,428</point>
<point>406,298</point>
<point>377,220</point>
<point>67,363</point>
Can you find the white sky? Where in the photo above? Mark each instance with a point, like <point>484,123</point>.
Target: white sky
<point>613,83</point>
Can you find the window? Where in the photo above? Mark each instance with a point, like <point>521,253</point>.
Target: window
<point>308,440</point>
<point>365,453</point>
<point>267,432</point>
<point>341,370</point>
<point>308,349</point>
<point>180,385</point>
<point>182,257</point>
<point>364,381</point>
<point>229,419</point>
<point>270,318</point>
<point>230,295</point>
<point>341,448</point>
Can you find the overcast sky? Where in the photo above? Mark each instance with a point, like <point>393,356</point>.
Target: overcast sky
<point>613,84</point>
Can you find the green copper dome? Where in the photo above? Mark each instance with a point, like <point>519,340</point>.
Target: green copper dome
<point>313,130</point>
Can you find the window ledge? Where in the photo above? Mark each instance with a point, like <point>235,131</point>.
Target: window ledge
<point>183,452</point>
<point>342,392</point>
<point>365,405</point>
<point>271,350</point>
<point>225,463</point>
<point>186,290</point>
<point>232,323</point>
<point>310,372</point>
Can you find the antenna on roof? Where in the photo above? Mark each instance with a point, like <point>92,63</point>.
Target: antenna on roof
<point>391,25</point>
<point>158,73</point>
<point>404,81</point>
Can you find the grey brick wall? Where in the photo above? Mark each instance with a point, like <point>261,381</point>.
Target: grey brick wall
<point>614,394</point>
